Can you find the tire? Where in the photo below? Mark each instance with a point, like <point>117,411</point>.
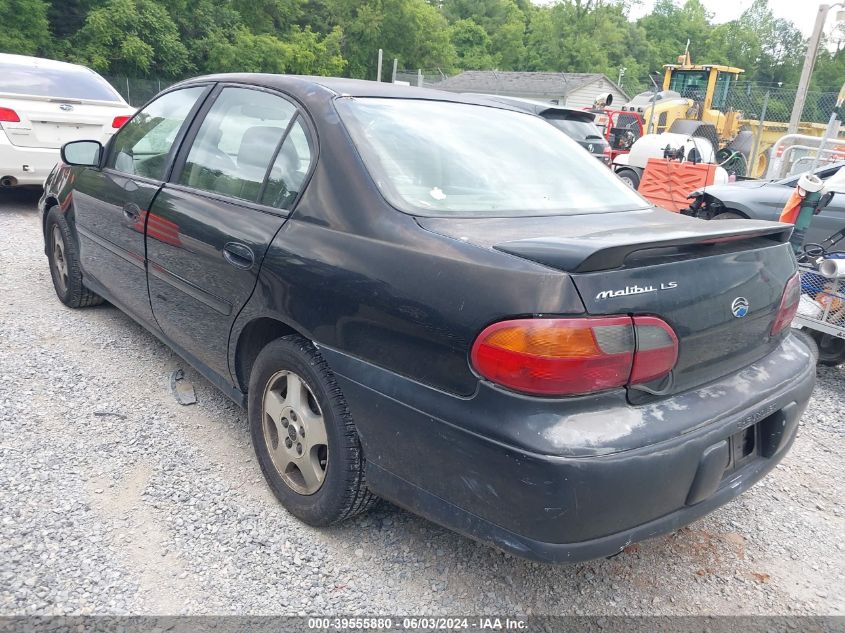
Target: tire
<point>831,349</point>
<point>63,255</point>
<point>764,159</point>
<point>629,177</point>
<point>729,215</point>
<point>291,389</point>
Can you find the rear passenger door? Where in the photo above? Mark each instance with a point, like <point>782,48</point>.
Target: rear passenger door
<point>239,173</point>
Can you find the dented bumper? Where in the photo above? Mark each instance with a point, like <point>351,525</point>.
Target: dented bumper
<point>574,479</point>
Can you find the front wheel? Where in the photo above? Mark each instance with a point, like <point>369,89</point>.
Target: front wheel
<point>65,270</point>
<point>831,349</point>
<point>303,434</point>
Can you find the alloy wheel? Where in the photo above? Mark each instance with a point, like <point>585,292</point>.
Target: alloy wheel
<point>295,432</point>
<point>59,261</point>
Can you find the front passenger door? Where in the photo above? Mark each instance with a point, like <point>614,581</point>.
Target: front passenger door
<point>232,188</point>
<point>111,204</point>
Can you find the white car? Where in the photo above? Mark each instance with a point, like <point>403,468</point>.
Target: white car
<point>43,105</point>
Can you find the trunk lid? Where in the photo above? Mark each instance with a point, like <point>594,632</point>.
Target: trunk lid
<point>50,123</point>
<point>688,272</point>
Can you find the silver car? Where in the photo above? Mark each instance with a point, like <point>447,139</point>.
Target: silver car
<point>764,200</point>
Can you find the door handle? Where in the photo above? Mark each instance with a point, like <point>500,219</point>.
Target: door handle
<point>239,255</point>
<point>131,211</point>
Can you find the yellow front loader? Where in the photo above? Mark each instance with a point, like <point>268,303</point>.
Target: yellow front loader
<point>694,101</point>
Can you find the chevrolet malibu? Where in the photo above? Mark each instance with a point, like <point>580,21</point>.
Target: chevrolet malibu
<point>438,301</point>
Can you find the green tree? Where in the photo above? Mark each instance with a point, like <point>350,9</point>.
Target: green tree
<point>269,16</point>
<point>413,31</point>
<point>23,26</point>
<point>503,20</point>
<point>301,52</point>
<point>66,17</point>
<point>132,37</point>
<point>472,45</point>
<point>769,49</point>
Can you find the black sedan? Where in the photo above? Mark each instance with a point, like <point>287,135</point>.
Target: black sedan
<point>415,301</point>
<point>578,125</point>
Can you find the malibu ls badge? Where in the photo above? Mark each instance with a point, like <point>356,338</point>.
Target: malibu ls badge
<point>636,290</point>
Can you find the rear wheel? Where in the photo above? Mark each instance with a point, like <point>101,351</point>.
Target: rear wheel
<point>303,434</point>
<point>729,215</point>
<point>831,349</point>
<point>63,256</point>
<point>629,177</point>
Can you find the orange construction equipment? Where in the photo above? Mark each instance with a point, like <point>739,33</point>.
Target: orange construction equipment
<point>667,183</point>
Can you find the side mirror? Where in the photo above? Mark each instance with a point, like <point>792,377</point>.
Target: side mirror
<point>82,153</point>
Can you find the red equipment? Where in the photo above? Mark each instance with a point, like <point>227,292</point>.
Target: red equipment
<point>620,127</point>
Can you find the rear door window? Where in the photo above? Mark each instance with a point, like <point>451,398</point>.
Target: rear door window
<point>142,146</point>
<point>237,142</point>
<point>290,168</point>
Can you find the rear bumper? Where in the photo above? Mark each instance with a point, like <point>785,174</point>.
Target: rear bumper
<point>27,165</point>
<point>576,494</point>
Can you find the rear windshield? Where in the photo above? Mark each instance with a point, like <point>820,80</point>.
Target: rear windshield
<point>69,82</point>
<point>451,159</point>
<point>580,129</point>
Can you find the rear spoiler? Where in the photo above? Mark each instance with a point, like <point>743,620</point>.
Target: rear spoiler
<point>609,250</point>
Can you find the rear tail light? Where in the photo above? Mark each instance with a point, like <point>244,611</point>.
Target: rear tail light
<point>119,121</point>
<point>788,305</point>
<point>574,356</point>
<point>7,115</point>
<point>657,349</point>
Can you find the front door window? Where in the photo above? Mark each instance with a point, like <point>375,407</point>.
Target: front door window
<point>143,146</point>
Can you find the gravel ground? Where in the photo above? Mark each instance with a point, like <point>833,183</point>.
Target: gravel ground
<point>115,499</point>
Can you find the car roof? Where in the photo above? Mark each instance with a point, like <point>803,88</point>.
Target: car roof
<point>299,85</point>
<point>539,107</point>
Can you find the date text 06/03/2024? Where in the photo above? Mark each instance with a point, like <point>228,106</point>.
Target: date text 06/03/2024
<point>422,623</point>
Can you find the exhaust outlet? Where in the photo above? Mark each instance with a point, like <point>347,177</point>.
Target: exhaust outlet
<point>8,181</point>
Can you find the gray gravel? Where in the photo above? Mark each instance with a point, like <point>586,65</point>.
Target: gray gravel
<point>115,499</point>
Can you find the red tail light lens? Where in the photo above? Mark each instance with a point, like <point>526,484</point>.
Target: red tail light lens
<point>788,305</point>
<point>7,115</point>
<point>119,121</point>
<point>657,349</point>
<point>574,356</point>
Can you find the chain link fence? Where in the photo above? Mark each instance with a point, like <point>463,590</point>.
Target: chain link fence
<point>765,112</point>
<point>774,103</point>
<point>138,91</point>
<point>427,78</point>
